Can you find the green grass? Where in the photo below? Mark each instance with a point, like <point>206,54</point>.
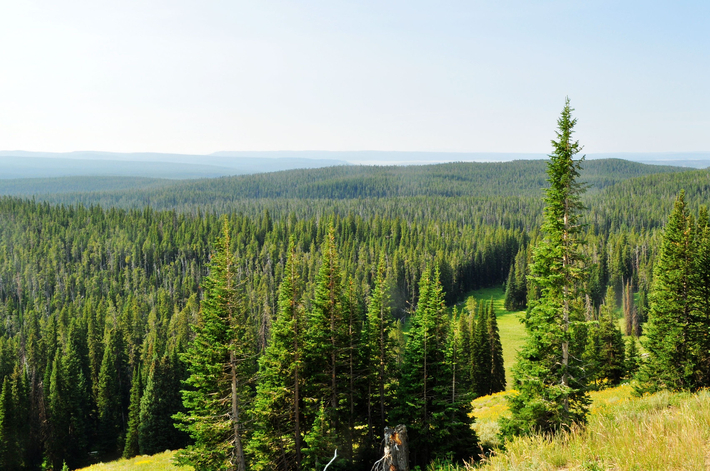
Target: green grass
<point>159,462</point>
<point>512,331</point>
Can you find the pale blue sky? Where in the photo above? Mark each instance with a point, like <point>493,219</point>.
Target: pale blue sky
<point>467,76</point>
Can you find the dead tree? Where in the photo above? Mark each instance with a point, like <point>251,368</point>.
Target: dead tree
<point>396,452</point>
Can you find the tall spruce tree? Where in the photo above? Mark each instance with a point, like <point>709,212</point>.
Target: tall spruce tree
<point>380,346</point>
<point>482,365</point>
<point>220,361</point>
<point>326,342</point>
<point>131,448</point>
<point>109,403</point>
<point>677,330</point>
<point>551,383</point>
<point>277,441</point>
<point>9,452</point>
<point>612,367</point>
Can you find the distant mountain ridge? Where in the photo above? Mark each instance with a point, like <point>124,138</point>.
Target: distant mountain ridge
<point>522,178</point>
<point>23,164</point>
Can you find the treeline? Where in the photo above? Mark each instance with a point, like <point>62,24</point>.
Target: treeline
<point>523,178</point>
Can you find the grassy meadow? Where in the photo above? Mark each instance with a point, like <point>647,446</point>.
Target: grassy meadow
<point>512,331</point>
<point>159,462</point>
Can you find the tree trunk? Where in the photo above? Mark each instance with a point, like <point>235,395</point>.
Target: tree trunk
<point>396,452</point>
<point>238,455</point>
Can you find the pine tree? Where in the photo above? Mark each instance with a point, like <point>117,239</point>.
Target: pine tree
<point>327,342</point>
<point>550,381</point>
<point>9,452</point>
<point>497,381</point>
<point>75,367</point>
<point>220,363</point>
<point>109,401</point>
<point>437,426</point>
<point>159,403</point>
<point>482,364</point>
<point>59,414</point>
<point>381,352</point>
<point>277,441</point>
<point>676,331</point>
<point>21,415</point>
<point>631,357</point>
<point>320,442</point>
<point>611,366</point>
<point>131,448</point>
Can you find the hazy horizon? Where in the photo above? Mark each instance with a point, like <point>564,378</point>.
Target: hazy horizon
<point>191,78</point>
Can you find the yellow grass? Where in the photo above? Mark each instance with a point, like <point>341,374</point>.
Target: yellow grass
<point>664,431</point>
<point>159,462</point>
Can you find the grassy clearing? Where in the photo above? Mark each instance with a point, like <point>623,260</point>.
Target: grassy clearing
<point>159,462</point>
<point>664,431</point>
<point>512,331</point>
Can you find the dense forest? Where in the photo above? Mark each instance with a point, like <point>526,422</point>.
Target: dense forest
<point>341,281</point>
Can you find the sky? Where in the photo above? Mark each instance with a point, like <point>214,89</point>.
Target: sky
<point>451,76</point>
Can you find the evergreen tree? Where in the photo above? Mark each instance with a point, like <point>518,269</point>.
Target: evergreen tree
<point>132,448</point>
<point>277,442</point>
<point>220,363</point>
<point>677,331</point>
<point>109,403</point>
<point>159,403</point>
<point>21,415</point>
<point>482,361</point>
<point>497,366</point>
<point>550,381</point>
<point>75,367</point>
<point>321,442</point>
<point>381,353</point>
<point>631,357</point>
<point>9,452</point>
<point>611,362</point>
<point>327,342</point>
<point>437,425</point>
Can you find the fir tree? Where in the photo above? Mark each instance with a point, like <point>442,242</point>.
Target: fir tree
<point>550,381</point>
<point>59,426</point>
<point>220,363</point>
<point>482,364</point>
<point>21,415</point>
<point>326,342</point>
<point>676,329</point>
<point>497,382</point>
<point>631,357</point>
<point>277,442</point>
<point>437,425</point>
<point>131,448</point>
<point>380,361</point>
<point>159,403</point>
<point>109,404</point>
<point>611,363</point>
<point>320,442</point>
<point>9,452</point>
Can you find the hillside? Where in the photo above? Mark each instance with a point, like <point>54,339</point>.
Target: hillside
<point>523,178</point>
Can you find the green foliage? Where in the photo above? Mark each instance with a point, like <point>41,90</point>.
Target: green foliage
<point>132,447</point>
<point>220,363</point>
<point>679,319</point>
<point>437,422</point>
<point>277,441</point>
<point>549,375</point>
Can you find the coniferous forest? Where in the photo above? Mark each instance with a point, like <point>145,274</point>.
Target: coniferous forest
<point>261,322</point>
